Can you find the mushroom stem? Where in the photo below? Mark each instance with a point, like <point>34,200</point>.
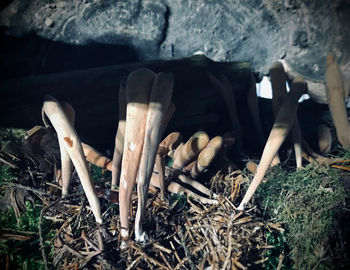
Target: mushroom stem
<point>206,156</point>
<point>158,105</point>
<point>119,138</point>
<point>66,162</point>
<point>168,144</point>
<point>176,174</point>
<point>70,146</point>
<point>224,87</point>
<point>278,82</point>
<point>186,153</point>
<point>96,158</point>
<point>138,88</point>
<point>252,101</point>
<point>284,121</point>
<point>173,186</point>
<point>336,102</point>
<point>324,139</point>
<point>178,189</point>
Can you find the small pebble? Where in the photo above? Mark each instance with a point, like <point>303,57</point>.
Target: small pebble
<point>48,22</point>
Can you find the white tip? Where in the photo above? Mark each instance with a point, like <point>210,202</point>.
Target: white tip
<point>141,236</point>
<point>99,220</point>
<point>241,207</point>
<point>123,245</point>
<point>124,233</point>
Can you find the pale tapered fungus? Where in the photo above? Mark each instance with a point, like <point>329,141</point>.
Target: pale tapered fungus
<point>96,158</point>
<point>184,154</point>
<point>336,101</point>
<point>223,86</point>
<point>173,186</point>
<point>138,90</point>
<point>160,99</point>
<point>283,123</point>
<point>170,143</point>
<point>206,156</point>
<point>278,82</point>
<point>119,138</point>
<point>252,101</point>
<point>148,98</point>
<point>177,188</point>
<point>324,138</point>
<point>71,149</point>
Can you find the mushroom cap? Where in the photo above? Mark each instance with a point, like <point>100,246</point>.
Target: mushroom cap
<point>69,111</point>
<point>206,156</point>
<point>171,141</point>
<point>329,59</point>
<point>299,86</point>
<point>277,65</point>
<point>197,142</point>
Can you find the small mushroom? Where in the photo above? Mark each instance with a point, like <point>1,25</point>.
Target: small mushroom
<point>173,186</point>
<point>252,101</point>
<point>119,138</point>
<point>336,101</point>
<point>138,90</point>
<point>168,144</point>
<point>160,98</point>
<point>278,82</point>
<point>206,156</point>
<point>184,154</point>
<point>324,138</point>
<point>95,157</point>
<point>252,167</point>
<point>70,147</point>
<point>283,123</point>
<point>224,87</point>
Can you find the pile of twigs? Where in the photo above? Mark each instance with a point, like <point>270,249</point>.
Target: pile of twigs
<point>183,234</point>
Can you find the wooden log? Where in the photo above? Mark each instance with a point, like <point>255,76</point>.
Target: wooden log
<point>94,95</point>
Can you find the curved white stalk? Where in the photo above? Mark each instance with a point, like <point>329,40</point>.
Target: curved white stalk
<point>119,137</point>
<point>284,121</point>
<point>70,146</point>
<point>158,105</point>
<point>278,82</point>
<point>138,88</point>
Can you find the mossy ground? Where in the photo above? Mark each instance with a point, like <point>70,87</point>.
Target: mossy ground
<point>312,203</point>
<point>300,222</point>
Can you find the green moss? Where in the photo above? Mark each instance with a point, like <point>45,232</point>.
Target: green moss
<point>306,201</point>
<point>24,254</point>
<point>11,134</point>
<point>6,174</point>
<point>178,202</point>
<point>98,174</point>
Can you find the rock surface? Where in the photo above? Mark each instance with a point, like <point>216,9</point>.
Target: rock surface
<point>300,32</point>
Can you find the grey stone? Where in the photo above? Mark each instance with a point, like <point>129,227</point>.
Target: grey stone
<point>301,32</point>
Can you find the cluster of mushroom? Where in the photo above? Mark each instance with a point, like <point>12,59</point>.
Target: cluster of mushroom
<point>285,107</point>
<point>145,109</point>
<point>189,160</point>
